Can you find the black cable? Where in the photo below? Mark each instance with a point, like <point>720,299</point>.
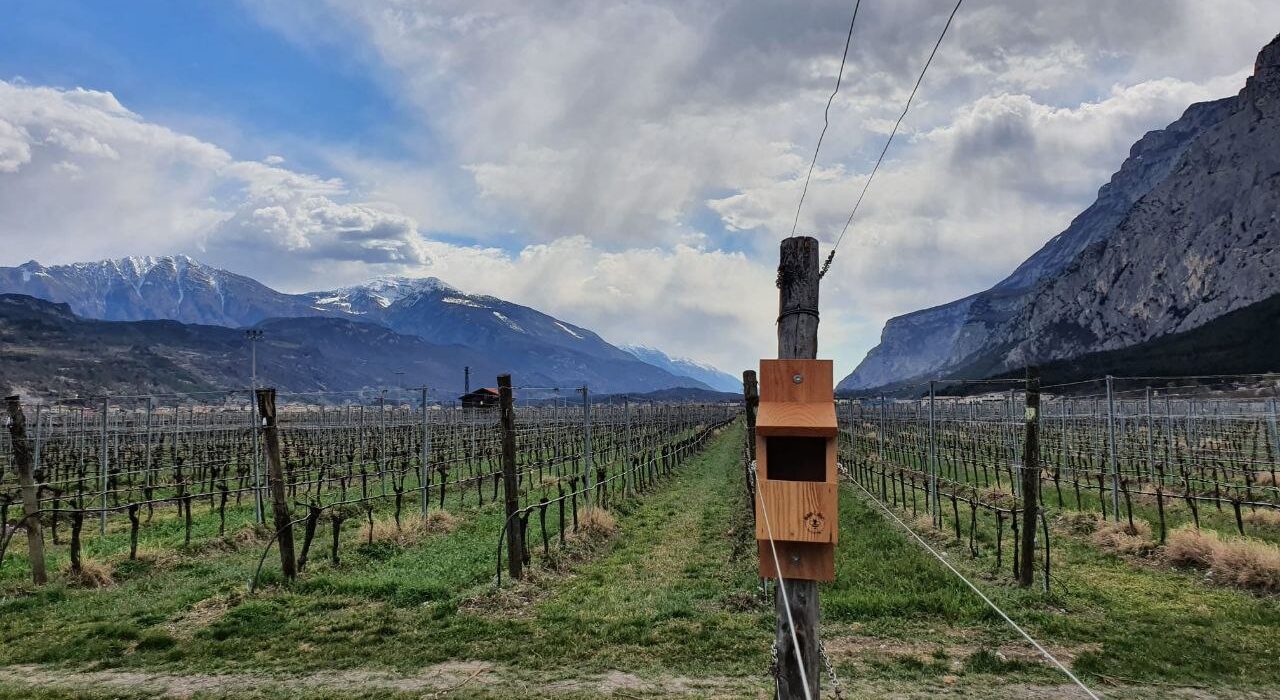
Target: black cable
<point>893,133</point>
<point>826,114</point>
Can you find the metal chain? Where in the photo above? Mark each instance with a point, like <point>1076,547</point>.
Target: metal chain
<point>831,671</point>
<point>773,663</point>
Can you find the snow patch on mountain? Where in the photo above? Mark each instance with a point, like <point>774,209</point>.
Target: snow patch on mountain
<point>685,367</point>
<point>568,330</point>
<point>509,323</point>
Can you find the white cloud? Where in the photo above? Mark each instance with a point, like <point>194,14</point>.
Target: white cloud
<point>710,305</point>
<point>82,176</point>
<point>961,205</point>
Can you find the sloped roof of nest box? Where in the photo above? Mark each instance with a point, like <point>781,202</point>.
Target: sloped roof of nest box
<point>804,408</point>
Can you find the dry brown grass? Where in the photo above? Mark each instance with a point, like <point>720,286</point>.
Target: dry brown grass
<point>251,534</point>
<point>595,524</point>
<point>92,574</point>
<point>1122,538</point>
<point>1264,479</point>
<point>411,528</point>
<point>158,557</point>
<point>1190,547</point>
<point>1265,519</point>
<point>1080,522</point>
<point>996,496</point>
<point>1243,562</point>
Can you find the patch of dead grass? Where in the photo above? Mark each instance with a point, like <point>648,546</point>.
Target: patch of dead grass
<point>595,525</point>
<point>92,574</point>
<point>1080,522</point>
<point>1265,519</point>
<point>996,496</point>
<point>1123,538</point>
<point>200,615</point>
<point>411,529</point>
<point>1244,562</point>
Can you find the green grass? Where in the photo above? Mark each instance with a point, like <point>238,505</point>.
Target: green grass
<point>672,595</point>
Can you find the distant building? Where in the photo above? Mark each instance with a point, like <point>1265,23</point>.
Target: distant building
<point>480,398</point>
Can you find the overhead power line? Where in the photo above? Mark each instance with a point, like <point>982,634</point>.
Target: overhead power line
<point>826,113</point>
<point>830,256</point>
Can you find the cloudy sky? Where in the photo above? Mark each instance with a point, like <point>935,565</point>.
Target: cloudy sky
<point>627,166</point>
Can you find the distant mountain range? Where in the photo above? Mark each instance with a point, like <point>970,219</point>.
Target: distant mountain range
<point>684,367</point>
<point>458,329</point>
<point>47,350</point>
<point>1185,232</point>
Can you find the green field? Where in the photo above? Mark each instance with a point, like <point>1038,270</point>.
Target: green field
<point>666,606</point>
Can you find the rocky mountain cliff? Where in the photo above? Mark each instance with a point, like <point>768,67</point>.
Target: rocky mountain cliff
<point>1202,243</point>
<point>1144,260</point>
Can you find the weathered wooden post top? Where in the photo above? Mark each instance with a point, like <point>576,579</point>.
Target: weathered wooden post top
<point>796,470</point>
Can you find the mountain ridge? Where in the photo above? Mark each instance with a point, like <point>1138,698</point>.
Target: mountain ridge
<point>686,367</point>
<point>528,342</point>
<point>1027,323</point>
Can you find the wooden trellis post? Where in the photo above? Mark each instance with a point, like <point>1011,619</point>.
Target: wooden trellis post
<point>798,339</point>
<point>275,482</point>
<point>26,480</point>
<point>1030,479</point>
<point>515,547</point>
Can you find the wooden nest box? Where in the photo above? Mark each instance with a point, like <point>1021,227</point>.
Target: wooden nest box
<point>796,470</point>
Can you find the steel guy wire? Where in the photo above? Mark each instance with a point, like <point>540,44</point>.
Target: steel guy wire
<point>826,116</point>
<point>831,256</point>
<point>975,589</point>
<point>782,586</point>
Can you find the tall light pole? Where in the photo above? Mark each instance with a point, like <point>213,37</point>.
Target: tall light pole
<point>253,335</point>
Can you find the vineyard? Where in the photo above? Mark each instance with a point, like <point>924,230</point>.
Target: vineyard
<point>634,570</point>
<point>1150,460</point>
<point>112,464</point>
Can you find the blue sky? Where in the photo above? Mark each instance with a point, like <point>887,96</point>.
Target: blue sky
<point>209,66</point>
<point>596,160</point>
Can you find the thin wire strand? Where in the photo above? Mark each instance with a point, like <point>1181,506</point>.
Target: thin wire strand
<point>786,601</point>
<point>826,116</point>
<point>975,589</point>
<point>893,133</point>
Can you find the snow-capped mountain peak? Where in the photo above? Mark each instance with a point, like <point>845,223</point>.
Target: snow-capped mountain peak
<point>685,367</point>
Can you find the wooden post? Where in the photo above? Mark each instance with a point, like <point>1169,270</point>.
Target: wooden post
<point>515,547</point>
<point>587,460</point>
<point>798,339</point>
<point>275,481</point>
<point>1030,479</point>
<point>26,480</point>
<point>424,476</point>
<point>751,392</point>
<point>1111,449</point>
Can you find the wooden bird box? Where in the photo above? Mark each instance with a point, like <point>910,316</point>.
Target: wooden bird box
<point>796,470</point>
